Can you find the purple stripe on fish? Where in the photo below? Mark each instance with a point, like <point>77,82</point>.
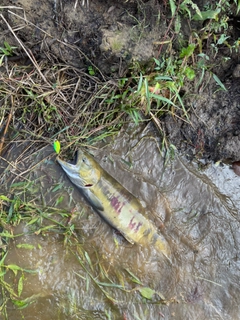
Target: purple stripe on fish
<point>134,226</point>
<point>116,204</point>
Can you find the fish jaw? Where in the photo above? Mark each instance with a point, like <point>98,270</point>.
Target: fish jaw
<point>84,177</point>
<point>72,171</point>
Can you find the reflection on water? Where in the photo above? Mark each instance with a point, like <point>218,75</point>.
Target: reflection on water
<point>95,274</point>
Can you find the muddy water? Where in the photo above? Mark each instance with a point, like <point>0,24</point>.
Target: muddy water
<point>96,274</point>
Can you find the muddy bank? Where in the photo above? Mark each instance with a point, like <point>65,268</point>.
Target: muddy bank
<point>214,132</point>
<point>109,36</point>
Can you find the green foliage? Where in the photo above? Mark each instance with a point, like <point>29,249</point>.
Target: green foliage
<point>6,51</point>
<point>91,71</point>
<point>237,3</point>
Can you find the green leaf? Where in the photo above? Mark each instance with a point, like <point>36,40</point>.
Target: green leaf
<point>237,2</point>
<point>219,82</point>
<point>209,14</point>
<point>88,259</point>
<point>57,187</point>
<point>147,96</point>
<point>161,98</point>
<point>190,73</point>
<point>140,83</point>
<point>21,304</point>
<point>56,146</point>
<point>45,229</point>
<point>20,185</point>
<point>4,198</point>
<point>147,292</point>
<point>6,234</point>
<point>188,51</point>
<point>91,71</point>
<point>32,221</point>
<point>222,39</point>
<point>14,268</point>
<point>25,246</point>
<point>167,78</point>
<point>59,200</point>
<point>134,279</point>
<point>3,258</point>
<point>20,285</point>
<point>173,6</point>
<point>8,287</point>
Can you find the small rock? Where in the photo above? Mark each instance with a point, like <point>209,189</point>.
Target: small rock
<point>236,167</point>
<point>236,71</point>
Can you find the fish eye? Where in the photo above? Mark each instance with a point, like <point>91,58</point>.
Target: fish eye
<point>85,160</point>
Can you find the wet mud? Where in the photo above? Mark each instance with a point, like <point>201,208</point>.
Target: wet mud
<point>198,212</point>
<point>110,35</point>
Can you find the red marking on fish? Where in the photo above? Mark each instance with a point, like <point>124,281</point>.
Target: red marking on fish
<point>116,204</point>
<point>131,224</point>
<point>138,226</point>
<point>134,226</point>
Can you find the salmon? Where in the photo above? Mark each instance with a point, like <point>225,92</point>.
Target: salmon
<point>113,202</point>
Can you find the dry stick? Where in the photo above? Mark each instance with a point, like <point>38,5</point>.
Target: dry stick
<point>62,42</point>
<point>6,127</point>
<point>30,56</point>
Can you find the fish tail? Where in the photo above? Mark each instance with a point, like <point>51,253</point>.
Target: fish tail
<point>161,245</point>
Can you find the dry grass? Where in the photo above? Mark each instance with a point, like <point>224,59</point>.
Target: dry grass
<point>45,100</point>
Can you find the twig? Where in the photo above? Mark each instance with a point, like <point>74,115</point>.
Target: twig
<point>6,127</point>
<point>62,42</point>
<point>30,56</point>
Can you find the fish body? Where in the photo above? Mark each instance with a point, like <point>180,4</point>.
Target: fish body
<point>113,202</point>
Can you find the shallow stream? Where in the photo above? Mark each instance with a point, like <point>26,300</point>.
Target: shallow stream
<point>85,270</point>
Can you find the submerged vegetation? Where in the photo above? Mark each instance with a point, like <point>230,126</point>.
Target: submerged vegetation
<point>47,101</point>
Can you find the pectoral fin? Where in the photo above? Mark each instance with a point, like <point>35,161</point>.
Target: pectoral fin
<point>93,200</point>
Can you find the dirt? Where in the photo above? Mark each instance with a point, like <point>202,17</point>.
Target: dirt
<point>110,35</point>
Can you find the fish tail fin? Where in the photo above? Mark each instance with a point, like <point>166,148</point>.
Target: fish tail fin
<point>161,245</point>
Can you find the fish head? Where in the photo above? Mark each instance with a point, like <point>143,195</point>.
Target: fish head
<point>85,173</point>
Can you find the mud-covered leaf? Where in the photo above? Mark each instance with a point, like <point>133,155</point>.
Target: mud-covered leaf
<point>6,234</point>
<point>8,287</point>
<point>134,278</point>
<point>113,285</point>
<point>45,229</point>
<point>14,268</point>
<point>20,285</point>
<point>3,258</point>
<point>147,292</point>
<point>2,273</point>
<point>57,187</point>
<point>21,304</point>
<point>88,259</point>
<point>25,246</point>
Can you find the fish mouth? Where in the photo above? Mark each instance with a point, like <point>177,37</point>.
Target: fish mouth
<point>72,171</point>
<point>66,165</point>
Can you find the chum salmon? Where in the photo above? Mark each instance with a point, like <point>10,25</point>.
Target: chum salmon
<point>113,202</point>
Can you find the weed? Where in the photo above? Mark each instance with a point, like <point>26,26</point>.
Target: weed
<point>6,51</point>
